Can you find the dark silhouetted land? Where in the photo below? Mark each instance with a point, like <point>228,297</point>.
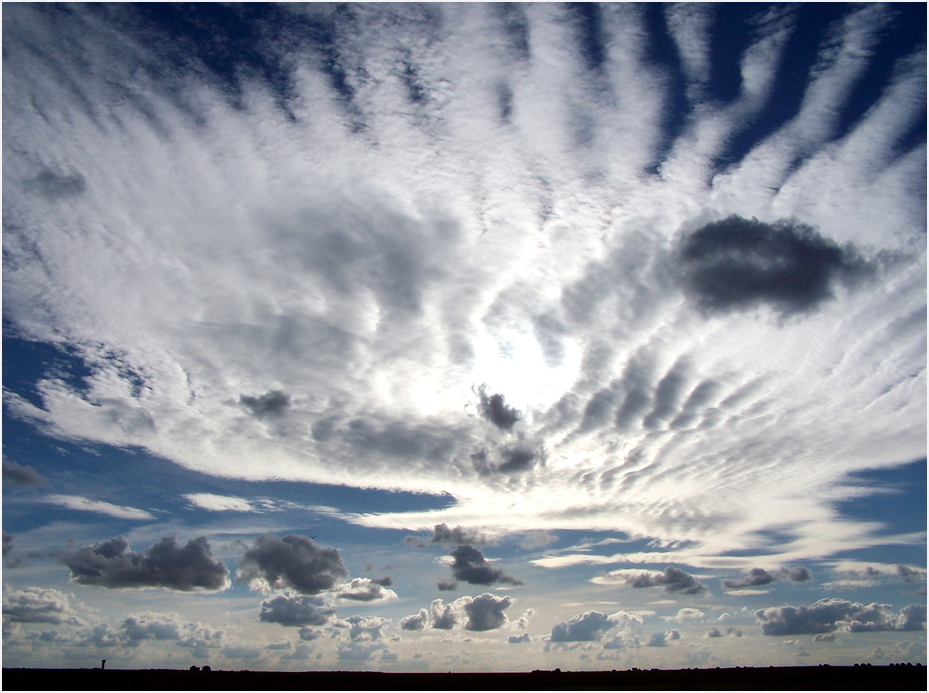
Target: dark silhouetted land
<point>824,678</point>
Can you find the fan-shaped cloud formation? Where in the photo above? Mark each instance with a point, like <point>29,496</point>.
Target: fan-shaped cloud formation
<point>165,564</point>
<point>293,561</point>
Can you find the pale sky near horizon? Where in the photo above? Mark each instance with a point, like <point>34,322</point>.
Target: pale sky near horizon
<point>464,336</point>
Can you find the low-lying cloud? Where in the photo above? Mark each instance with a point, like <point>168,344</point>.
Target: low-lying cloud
<point>166,564</point>
<point>294,562</point>
<point>828,615</point>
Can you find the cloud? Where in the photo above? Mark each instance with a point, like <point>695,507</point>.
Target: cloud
<point>39,605</point>
<point>293,609</point>
<point>309,235</point>
<point>446,585</point>
<point>756,577</point>
<point>585,627</point>
<point>415,621</point>
<point>799,574</point>
<point>118,511</point>
<point>519,639</point>
<point>443,535</point>
<point>21,475</point>
<point>737,263</point>
<point>907,574</point>
<point>364,628</point>
<point>471,567</point>
<point>8,542</point>
<point>824,637</point>
<point>494,409</point>
<point>716,633</point>
<point>828,615</point>
<point>672,580</point>
<point>165,564</point>
<point>365,590</point>
<point>443,615</point>
<point>292,561</point>
<point>152,626</point>
<point>687,614</point>
<point>662,639</point>
<point>270,405</point>
<point>213,502</point>
<point>485,612</point>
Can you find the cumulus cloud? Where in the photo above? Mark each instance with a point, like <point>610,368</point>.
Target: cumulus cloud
<point>443,535</point>
<point>471,567</point>
<point>662,639</point>
<point>828,615</point>
<point>799,574</point>
<point>519,639</point>
<point>121,512</point>
<point>824,637</point>
<point>446,585</point>
<point>16,474</point>
<point>165,564</point>
<point>293,609</point>
<point>755,578</point>
<point>739,263</point>
<point>415,621</point>
<point>485,612</point>
<point>672,580</point>
<point>687,614</point>
<point>585,627</point>
<point>293,561</point>
<point>364,628</point>
<point>366,590</point>
<point>443,615</point>
<point>39,605</point>
<point>714,632</point>
<point>494,409</point>
<point>270,405</point>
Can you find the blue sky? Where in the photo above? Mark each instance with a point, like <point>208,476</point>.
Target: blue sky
<point>464,336</point>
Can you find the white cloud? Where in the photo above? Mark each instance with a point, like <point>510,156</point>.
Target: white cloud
<point>121,512</point>
<point>211,501</point>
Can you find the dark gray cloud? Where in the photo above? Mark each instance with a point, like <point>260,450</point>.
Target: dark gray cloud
<point>799,574</point>
<point>291,609</point>
<point>443,616</point>
<point>738,263</point>
<point>514,459</point>
<point>471,567</point>
<point>716,633</point>
<point>21,475</point>
<point>485,612</point>
<point>910,575</point>
<point>756,578</point>
<point>828,615</point>
<point>293,561</point>
<point>446,585</point>
<point>585,627</point>
<point>662,639</point>
<point>672,580</point>
<point>268,406</point>
<point>443,535</point>
<point>165,564</point>
<point>57,185</point>
<point>415,621</point>
<point>8,543</point>
<point>494,409</point>
<point>519,639</point>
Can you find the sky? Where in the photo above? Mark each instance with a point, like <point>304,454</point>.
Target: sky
<point>464,337</point>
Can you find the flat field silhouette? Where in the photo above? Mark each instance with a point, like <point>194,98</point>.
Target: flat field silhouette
<point>893,677</point>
